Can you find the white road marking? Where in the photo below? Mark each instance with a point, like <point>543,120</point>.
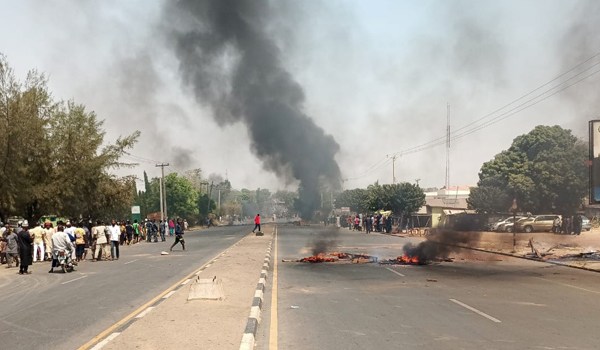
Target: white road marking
<point>103,343</point>
<point>570,285</point>
<point>186,282</point>
<point>129,262</point>
<point>493,319</point>
<point>145,312</point>
<point>73,280</point>
<point>396,272</point>
<point>169,294</point>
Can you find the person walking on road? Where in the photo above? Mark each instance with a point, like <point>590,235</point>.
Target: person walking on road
<point>101,241</point>
<point>179,230</point>
<point>25,248</point>
<point>115,234</point>
<point>256,223</point>
<point>162,227</point>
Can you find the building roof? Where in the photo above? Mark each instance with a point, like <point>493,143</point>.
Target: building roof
<point>447,203</point>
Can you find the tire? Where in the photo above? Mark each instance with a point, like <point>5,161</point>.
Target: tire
<point>509,229</point>
<point>64,269</point>
<point>528,229</point>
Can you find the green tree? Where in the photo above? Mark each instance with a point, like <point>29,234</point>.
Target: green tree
<point>402,199</point>
<point>182,199</point>
<point>544,170</point>
<point>357,200</point>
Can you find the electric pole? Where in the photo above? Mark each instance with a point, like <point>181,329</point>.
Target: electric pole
<point>393,167</point>
<point>447,147</point>
<point>163,191</point>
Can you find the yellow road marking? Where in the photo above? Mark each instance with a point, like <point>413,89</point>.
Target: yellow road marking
<point>126,319</point>
<point>273,332</point>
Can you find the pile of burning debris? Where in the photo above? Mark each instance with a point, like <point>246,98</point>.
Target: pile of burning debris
<point>336,256</point>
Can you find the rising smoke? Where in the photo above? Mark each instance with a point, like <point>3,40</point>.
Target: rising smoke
<point>441,244</point>
<point>228,58</point>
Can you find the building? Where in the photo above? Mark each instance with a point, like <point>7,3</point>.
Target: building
<point>441,205</point>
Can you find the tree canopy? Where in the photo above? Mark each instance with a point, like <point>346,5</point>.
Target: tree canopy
<point>54,158</point>
<point>401,199</point>
<point>544,170</point>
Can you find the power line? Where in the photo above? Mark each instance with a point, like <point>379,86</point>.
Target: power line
<point>482,123</point>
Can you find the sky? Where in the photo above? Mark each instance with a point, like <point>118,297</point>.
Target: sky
<point>381,77</point>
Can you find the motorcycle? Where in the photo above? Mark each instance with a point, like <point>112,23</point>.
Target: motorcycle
<point>65,262</point>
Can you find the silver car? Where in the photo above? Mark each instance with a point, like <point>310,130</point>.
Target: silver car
<point>586,224</point>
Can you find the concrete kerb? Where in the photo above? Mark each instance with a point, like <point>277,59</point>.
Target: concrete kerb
<point>249,336</point>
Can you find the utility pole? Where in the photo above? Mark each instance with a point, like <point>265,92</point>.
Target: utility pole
<point>393,167</point>
<point>163,191</point>
<point>209,194</point>
<point>447,146</point>
<point>160,183</point>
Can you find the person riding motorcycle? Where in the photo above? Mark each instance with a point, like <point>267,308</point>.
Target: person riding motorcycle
<point>61,246</point>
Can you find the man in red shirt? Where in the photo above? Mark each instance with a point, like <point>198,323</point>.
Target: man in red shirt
<point>256,222</point>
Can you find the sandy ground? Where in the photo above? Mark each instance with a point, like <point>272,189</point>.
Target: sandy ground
<point>563,249</point>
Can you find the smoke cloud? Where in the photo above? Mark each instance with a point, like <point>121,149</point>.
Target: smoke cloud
<point>325,242</point>
<point>441,244</point>
<point>229,59</point>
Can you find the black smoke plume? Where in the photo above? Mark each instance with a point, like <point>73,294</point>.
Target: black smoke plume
<point>229,59</point>
<point>325,242</point>
<point>440,244</point>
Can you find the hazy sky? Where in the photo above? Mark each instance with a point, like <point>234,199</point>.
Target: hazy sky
<point>377,76</point>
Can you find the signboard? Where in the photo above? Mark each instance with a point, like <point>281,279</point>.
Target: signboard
<point>345,209</point>
<point>594,161</point>
<point>135,209</point>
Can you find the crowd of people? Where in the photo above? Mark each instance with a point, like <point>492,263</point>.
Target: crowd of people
<point>568,225</point>
<point>21,246</point>
<point>368,223</point>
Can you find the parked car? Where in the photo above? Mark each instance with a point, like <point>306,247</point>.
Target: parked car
<point>586,224</point>
<point>509,226</point>
<point>539,223</point>
<point>501,223</point>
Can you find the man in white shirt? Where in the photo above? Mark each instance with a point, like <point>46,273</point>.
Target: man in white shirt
<point>60,241</point>
<point>115,233</point>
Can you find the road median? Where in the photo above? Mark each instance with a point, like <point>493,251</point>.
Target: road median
<point>176,322</point>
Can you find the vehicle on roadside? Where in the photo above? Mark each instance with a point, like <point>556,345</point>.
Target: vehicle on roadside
<point>586,224</point>
<point>13,221</point>
<point>502,222</point>
<point>537,223</point>
<point>54,219</point>
<point>509,227</point>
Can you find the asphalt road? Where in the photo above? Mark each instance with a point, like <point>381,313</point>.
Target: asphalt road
<point>63,311</point>
<point>483,302</point>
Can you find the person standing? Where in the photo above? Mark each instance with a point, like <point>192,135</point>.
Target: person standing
<point>38,236</point>
<point>171,227</point>
<point>79,241</point>
<point>115,233</point>
<point>256,223</point>
<point>48,232</point>
<point>179,231</point>
<point>162,228</point>
<point>129,232</point>
<point>25,244</point>
<point>136,231</point>
<point>577,224</point>
<point>101,241</point>
<point>12,247</point>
